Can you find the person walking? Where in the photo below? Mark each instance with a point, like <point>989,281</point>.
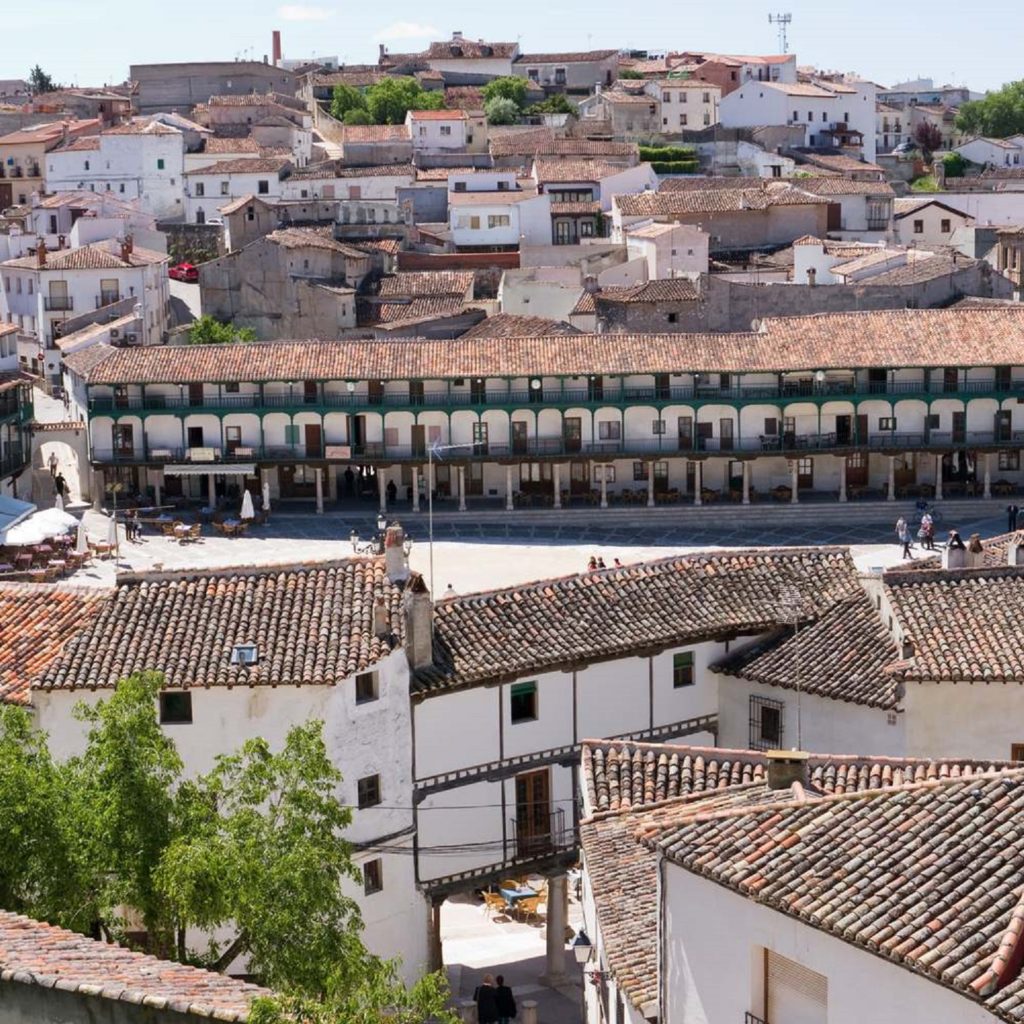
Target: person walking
<point>901,526</point>
<point>1012,511</point>
<point>52,462</point>
<point>905,539</point>
<point>505,1001</point>
<point>927,532</point>
<point>486,1000</point>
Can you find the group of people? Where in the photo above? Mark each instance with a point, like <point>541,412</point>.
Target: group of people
<point>596,562</point>
<point>495,1003</point>
<point>132,526</point>
<point>925,534</point>
<point>60,485</point>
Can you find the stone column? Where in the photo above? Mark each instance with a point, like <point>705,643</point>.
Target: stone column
<point>554,970</point>
<point>435,958</point>
<point>97,489</point>
<point>892,478</point>
<point>462,488</point>
<point>556,479</point>
<point>212,484</point>
<point>698,482</point>
<point>529,1014</point>
<point>156,488</point>
<point>509,495</point>
<point>604,486</point>
<point>938,478</point>
<point>842,478</point>
<point>415,488</point>
<point>318,474</point>
<point>987,485</point>
<point>746,483</point>
<point>794,482</point>
<point>650,485</point>
<point>382,489</point>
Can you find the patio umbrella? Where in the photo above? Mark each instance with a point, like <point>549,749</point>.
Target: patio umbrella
<point>58,502</point>
<point>112,532</point>
<point>82,543</point>
<point>25,534</point>
<point>54,521</point>
<point>248,512</point>
<point>266,496</point>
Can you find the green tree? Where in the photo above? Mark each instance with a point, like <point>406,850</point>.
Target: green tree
<point>208,331</point>
<point>954,165</point>
<point>392,98</point>
<point>508,88</point>
<point>356,116</point>
<point>998,114</point>
<point>501,111</point>
<point>344,99</point>
<point>629,73</point>
<point>556,104</point>
<point>40,81</point>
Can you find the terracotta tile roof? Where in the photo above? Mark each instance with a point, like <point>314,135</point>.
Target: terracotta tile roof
<point>35,953</point>
<point>47,618</point>
<point>357,77</point>
<point>584,304</point>
<point>428,282</point>
<point>697,183</point>
<point>565,58</point>
<point>508,325</point>
<point>964,624</point>
<point>403,311</point>
<point>575,209</point>
<point>215,144</point>
<point>442,173</point>
<point>601,615</point>
<point>795,89</point>
<point>245,165</point>
<point>83,144</point>
<point>469,49</point>
<point>237,204</point>
<point>551,171</point>
<point>313,238</point>
<point>686,782</point>
<point>312,624</point>
<point>464,97</point>
<point>141,126</point>
<point>908,874</point>
<point>843,655</point>
<point>437,115</point>
<point>844,164</point>
<point>676,289</point>
<point>520,142</point>
<point>97,256</point>
<point>391,246</point>
<point>336,169</point>
<point>922,267</point>
<point>49,132</point>
<point>821,185</point>
<point>590,147</point>
<point>353,133</point>
<point>684,202</point>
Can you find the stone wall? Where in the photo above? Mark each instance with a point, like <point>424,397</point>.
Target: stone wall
<point>183,239</point>
<point>34,1004</point>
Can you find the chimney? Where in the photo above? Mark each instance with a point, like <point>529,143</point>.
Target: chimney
<point>1015,553</point>
<point>126,248</point>
<point>381,619</point>
<point>975,552</point>
<point>786,767</point>
<point>275,47</point>
<point>41,253</point>
<point>907,649</point>
<point>456,37</point>
<point>383,50</point>
<point>395,562</point>
<point>812,277</point>
<point>418,616</point>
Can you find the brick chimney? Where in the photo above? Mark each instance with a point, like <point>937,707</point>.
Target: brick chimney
<point>418,616</point>
<point>381,619</point>
<point>41,253</point>
<point>127,246</point>
<point>786,767</point>
<point>275,48</point>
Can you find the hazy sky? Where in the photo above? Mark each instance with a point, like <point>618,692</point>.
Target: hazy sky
<point>91,43</point>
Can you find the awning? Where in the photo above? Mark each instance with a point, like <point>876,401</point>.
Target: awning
<point>216,468</point>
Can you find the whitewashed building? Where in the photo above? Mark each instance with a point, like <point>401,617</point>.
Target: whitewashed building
<point>210,188</point>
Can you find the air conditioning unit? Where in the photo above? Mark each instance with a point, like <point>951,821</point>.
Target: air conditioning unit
<point>131,338</point>
<point>115,332</point>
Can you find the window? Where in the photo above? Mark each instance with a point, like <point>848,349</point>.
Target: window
<point>231,389</point>
<point>609,430</point>
<point>1009,460</point>
<point>373,877</point>
<point>672,318</point>
<point>368,791</point>
<point>765,723</point>
<point>366,687</point>
<point>658,427</point>
<point>639,470</point>
<point>263,187</point>
<point>932,421</point>
<point>796,115</point>
<point>503,186</point>
<point>474,223</point>
<point>607,472</point>
<point>1017,751</point>
<point>159,163</point>
<point>944,226</point>
<point>918,227</point>
<point>707,97</point>
<point>498,220</point>
<point>666,97</point>
<point>176,708</point>
<point>523,702</point>
<point>682,119</point>
<point>707,119</point>
<point>446,129</point>
<point>886,422</point>
<point>87,165</point>
<point>244,654</point>
<point>824,116</point>
<point>460,186</point>
<point>291,433</point>
<point>682,669</point>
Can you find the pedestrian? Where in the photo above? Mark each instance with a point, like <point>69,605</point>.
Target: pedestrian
<point>927,532</point>
<point>1012,511</point>
<point>906,539</point>
<point>350,482</point>
<point>592,564</point>
<point>486,1001</point>
<point>901,525</point>
<point>392,491</point>
<point>450,592</point>
<point>600,563</point>
<point>53,464</point>
<point>60,484</point>
<point>506,1002</point>
<point>618,564</point>
<point>955,543</point>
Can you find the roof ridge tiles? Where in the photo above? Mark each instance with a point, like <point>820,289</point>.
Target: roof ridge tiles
<point>213,572</point>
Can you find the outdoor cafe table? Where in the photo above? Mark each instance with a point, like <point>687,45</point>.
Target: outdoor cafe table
<point>181,529</point>
<point>513,896</point>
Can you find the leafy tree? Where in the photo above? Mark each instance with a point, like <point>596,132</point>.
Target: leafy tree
<point>629,73</point>
<point>954,165</point>
<point>344,99</point>
<point>501,111</point>
<point>392,98</point>
<point>356,116</point>
<point>40,81</point>
<point>556,104</point>
<point>928,137</point>
<point>208,331</point>
<point>508,88</point>
<point>998,114</point>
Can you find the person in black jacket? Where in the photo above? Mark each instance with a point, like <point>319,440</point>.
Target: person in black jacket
<point>505,1001</point>
<point>486,1001</point>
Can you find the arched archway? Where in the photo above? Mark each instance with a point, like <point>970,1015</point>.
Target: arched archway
<point>69,443</point>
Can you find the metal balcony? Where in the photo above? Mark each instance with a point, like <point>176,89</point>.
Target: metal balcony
<point>58,303</point>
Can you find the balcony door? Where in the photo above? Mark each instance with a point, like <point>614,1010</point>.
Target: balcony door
<point>519,437</point>
<point>533,813</point>
<point>572,433</point>
<point>314,439</point>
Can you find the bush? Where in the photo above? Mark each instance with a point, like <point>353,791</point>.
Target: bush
<point>208,331</point>
<point>507,88</point>
<point>674,166</point>
<point>501,111</point>
<point>954,164</point>
<point>629,73</point>
<point>556,104</point>
<point>356,116</point>
<point>667,153</point>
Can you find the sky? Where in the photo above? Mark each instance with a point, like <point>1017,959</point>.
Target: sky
<point>92,44</point>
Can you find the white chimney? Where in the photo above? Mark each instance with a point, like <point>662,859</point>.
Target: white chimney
<point>418,616</point>
<point>381,619</point>
<point>395,562</point>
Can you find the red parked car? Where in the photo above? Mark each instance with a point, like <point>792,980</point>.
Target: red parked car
<point>184,272</point>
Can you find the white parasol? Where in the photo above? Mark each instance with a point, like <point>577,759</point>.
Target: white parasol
<point>82,543</point>
<point>266,495</point>
<point>112,532</point>
<point>25,534</point>
<point>248,512</point>
<point>55,521</point>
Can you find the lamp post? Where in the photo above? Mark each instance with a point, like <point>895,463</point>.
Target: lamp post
<point>115,489</point>
<point>790,608</point>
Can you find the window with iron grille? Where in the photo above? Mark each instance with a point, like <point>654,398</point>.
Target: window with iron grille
<point>765,723</point>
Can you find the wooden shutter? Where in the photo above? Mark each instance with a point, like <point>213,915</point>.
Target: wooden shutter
<point>796,994</point>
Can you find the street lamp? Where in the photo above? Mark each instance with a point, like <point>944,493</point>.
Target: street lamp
<point>582,947</point>
<point>790,610</point>
<point>382,522</point>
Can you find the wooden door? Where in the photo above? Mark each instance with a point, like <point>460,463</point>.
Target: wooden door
<point>357,430</point>
<point>313,441</point>
<point>415,392</point>
<point>375,392</point>
<point>309,392</point>
<point>595,389</point>
<point>572,433</point>
<point>725,434</point>
<point>232,438</point>
<point>704,432</point>
<point>478,391</point>
<point>195,394</point>
<point>844,425</point>
<point>684,429</point>
<point>857,469</point>
<point>419,439</point>
<point>950,379</point>
<point>519,437</point>
<point>1004,425</point>
<point>533,813</point>
<point>195,437</point>
<point>862,429</point>
<point>579,479</point>
<point>959,427</point>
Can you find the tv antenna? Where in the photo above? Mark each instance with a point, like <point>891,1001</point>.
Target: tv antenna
<point>782,20</point>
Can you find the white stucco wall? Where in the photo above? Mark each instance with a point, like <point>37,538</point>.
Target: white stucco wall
<point>963,719</point>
